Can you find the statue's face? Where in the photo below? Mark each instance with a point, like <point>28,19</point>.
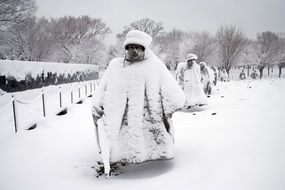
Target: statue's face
<point>190,62</point>
<point>135,52</point>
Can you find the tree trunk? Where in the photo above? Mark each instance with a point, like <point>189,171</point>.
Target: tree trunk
<point>268,71</point>
<point>228,72</point>
<point>280,71</point>
<point>260,72</point>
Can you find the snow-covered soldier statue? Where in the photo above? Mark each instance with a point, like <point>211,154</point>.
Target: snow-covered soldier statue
<point>188,76</point>
<point>224,76</point>
<point>133,105</point>
<point>207,77</point>
<point>216,74</point>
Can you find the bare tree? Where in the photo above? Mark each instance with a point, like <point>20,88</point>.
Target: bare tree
<point>186,47</point>
<point>70,31</point>
<point>116,50</point>
<point>281,56</point>
<point>266,50</point>
<point>280,66</point>
<point>230,43</point>
<point>90,51</point>
<point>30,40</point>
<point>203,46</point>
<point>17,40</point>
<point>45,43</point>
<point>146,25</point>
<point>15,11</point>
<point>170,47</point>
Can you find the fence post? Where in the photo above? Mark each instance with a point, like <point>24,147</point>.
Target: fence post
<point>85,90</point>
<point>14,114</point>
<point>60,97</point>
<point>94,86</point>
<point>71,96</point>
<point>79,92</point>
<point>90,87</point>
<point>43,100</point>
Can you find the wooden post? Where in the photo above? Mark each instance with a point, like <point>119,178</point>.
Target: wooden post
<point>14,114</point>
<point>85,90</point>
<point>71,96</point>
<point>43,100</point>
<point>60,97</point>
<point>79,92</point>
<point>91,87</point>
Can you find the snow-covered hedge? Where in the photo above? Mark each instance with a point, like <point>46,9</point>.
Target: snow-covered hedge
<point>22,75</point>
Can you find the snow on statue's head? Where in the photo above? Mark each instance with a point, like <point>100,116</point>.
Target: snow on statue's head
<point>139,38</point>
<point>191,56</point>
<point>137,46</point>
<point>202,65</point>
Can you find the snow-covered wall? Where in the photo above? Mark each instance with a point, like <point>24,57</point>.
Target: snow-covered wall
<point>19,69</point>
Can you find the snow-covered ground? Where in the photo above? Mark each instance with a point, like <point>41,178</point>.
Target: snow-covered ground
<point>235,143</point>
<point>29,104</point>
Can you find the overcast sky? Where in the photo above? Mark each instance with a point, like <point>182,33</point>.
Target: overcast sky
<point>189,15</point>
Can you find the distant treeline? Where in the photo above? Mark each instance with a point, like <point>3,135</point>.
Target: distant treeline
<point>10,84</point>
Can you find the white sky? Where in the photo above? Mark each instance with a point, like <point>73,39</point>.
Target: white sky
<point>190,15</point>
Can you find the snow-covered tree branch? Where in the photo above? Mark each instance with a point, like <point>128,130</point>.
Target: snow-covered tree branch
<point>230,42</point>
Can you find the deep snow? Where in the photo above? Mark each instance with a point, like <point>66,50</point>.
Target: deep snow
<point>29,104</point>
<point>236,142</point>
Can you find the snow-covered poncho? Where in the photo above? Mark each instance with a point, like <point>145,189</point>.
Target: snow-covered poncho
<point>134,99</point>
<point>207,78</point>
<point>190,81</point>
<point>224,76</point>
<point>211,74</point>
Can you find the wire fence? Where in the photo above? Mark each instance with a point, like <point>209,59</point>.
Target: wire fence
<point>24,114</point>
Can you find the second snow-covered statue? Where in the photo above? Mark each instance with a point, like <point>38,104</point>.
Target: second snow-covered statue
<point>133,105</point>
<point>188,76</point>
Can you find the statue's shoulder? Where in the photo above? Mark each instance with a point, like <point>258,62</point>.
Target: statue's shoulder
<point>116,62</point>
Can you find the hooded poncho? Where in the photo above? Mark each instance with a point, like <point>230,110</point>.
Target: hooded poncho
<point>135,98</point>
<point>190,80</point>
